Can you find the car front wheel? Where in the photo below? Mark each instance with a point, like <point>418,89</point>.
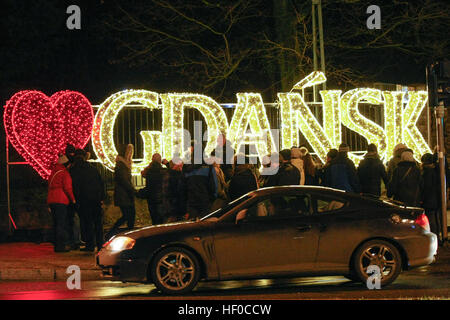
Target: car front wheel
<point>175,271</point>
<point>379,260</point>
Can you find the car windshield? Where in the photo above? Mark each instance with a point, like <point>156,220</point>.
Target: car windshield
<point>221,211</point>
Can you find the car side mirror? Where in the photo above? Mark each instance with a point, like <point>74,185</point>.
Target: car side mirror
<point>241,215</point>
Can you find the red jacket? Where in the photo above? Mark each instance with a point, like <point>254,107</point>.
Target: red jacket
<point>60,186</point>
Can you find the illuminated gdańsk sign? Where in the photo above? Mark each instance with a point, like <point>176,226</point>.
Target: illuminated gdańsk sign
<point>249,122</point>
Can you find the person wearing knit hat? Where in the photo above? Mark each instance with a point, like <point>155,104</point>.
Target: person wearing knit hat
<point>59,196</point>
<point>396,158</point>
<point>406,184</point>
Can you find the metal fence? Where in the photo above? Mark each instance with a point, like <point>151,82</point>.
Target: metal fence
<point>133,119</point>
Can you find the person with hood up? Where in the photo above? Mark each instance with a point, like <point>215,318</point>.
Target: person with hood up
<point>406,184</point>
<point>371,171</point>
<point>243,179</point>
<point>341,173</point>
<point>396,158</point>
<point>124,190</point>
<point>60,194</point>
<point>296,161</point>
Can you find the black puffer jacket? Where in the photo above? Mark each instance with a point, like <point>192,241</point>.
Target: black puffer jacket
<point>341,174</point>
<point>406,184</point>
<point>88,186</point>
<point>242,182</point>
<point>287,175</point>
<point>371,171</point>
<point>431,187</point>
<point>157,183</point>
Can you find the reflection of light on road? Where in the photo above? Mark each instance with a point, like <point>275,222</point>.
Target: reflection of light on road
<point>114,288</point>
<point>271,283</point>
<point>40,295</point>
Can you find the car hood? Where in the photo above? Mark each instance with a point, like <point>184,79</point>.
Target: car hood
<point>167,228</point>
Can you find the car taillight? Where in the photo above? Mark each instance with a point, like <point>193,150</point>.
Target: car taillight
<point>422,220</point>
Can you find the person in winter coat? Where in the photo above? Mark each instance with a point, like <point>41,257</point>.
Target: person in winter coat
<point>309,167</point>
<point>76,228</point>
<point>60,194</point>
<point>406,184</point>
<point>89,190</point>
<point>341,173</point>
<point>157,189</point>
<point>396,158</point>
<point>431,192</point>
<point>124,190</point>
<point>224,153</point>
<point>371,171</point>
<point>270,166</point>
<point>243,179</point>
<point>323,172</point>
<point>177,201</point>
<point>200,185</point>
<point>296,161</point>
<point>287,174</point>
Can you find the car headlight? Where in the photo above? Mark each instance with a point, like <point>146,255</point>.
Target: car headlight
<point>120,243</point>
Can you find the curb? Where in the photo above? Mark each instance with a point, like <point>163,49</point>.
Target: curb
<point>47,274</point>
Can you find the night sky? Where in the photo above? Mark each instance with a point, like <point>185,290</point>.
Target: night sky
<point>112,52</point>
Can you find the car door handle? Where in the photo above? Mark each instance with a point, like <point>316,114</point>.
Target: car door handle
<point>304,227</point>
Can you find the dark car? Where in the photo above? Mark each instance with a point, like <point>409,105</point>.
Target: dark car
<point>274,232</point>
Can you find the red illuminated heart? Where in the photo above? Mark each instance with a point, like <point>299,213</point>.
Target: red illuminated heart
<point>40,127</point>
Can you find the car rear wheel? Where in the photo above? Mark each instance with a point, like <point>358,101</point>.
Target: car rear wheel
<point>175,271</point>
<point>377,257</point>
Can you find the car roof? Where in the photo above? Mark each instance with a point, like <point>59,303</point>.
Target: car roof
<point>315,189</point>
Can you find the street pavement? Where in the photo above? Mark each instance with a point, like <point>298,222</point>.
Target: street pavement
<point>31,261</point>
<point>36,272</point>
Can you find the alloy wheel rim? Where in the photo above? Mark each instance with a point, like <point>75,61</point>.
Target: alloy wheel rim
<point>175,270</point>
<point>381,256</point>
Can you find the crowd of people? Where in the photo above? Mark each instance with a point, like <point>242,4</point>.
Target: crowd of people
<point>183,189</point>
